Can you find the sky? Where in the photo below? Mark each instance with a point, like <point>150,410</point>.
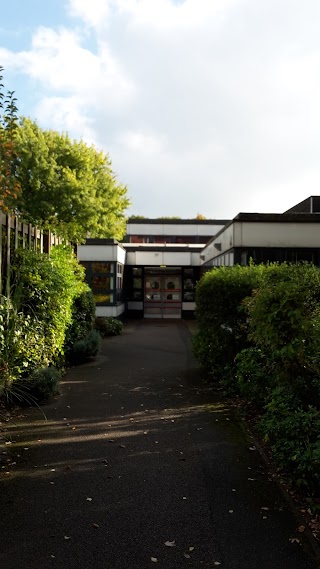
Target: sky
<point>203,106</point>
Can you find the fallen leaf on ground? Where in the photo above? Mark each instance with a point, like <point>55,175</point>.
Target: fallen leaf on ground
<point>89,499</point>
<point>66,537</point>
<point>216,563</point>
<point>264,508</point>
<point>122,446</point>
<point>186,555</point>
<point>230,511</point>
<point>170,543</point>
<point>252,448</point>
<point>294,540</point>
<point>111,440</point>
<point>94,525</point>
<point>191,548</point>
<point>301,528</point>
<point>251,479</point>
<point>154,559</point>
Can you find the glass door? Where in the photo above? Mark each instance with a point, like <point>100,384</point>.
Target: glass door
<point>162,296</point>
<point>171,294</point>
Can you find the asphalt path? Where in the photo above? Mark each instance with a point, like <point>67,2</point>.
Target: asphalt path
<point>139,464</point>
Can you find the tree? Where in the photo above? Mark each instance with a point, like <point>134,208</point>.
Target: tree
<point>200,216</point>
<point>9,185</point>
<point>67,186</point>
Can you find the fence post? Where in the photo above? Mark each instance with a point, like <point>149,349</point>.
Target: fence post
<point>35,242</point>
<point>16,232</point>
<point>29,235</point>
<point>8,244</point>
<point>1,256</point>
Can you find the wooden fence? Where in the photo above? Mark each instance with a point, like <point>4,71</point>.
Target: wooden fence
<point>15,234</point>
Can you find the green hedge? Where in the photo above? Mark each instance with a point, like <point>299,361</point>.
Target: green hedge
<point>222,320</point>
<point>35,318</point>
<point>259,334</point>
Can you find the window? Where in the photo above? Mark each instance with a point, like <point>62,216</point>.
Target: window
<point>100,276</point>
<point>188,285</point>
<point>136,285</point>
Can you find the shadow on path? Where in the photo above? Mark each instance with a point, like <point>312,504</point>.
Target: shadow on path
<point>137,452</point>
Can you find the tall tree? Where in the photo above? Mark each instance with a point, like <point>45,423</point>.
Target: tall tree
<point>9,185</point>
<point>67,186</point>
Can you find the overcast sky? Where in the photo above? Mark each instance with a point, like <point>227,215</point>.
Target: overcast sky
<point>204,106</point>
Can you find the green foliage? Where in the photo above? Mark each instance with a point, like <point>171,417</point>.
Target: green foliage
<point>84,349</point>
<point>109,326</point>
<point>260,335</point>
<point>254,375</point>
<point>284,313</point>
<point>68,186</point>
<point>9,185</point>
<point>294,436</point>
<point>83,317</point>
<point>222,321</point>
<point>38,388</point>
<point>34,320</point>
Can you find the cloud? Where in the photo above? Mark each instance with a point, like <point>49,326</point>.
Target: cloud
<point>203,105</point>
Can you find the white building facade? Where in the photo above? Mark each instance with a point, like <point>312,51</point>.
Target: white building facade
<point>153,273</point>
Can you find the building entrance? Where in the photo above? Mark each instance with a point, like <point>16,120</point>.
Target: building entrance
<point>162,293</point>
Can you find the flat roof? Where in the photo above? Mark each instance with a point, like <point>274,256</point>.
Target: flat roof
<point>164,221</point>
<point>269,218</point>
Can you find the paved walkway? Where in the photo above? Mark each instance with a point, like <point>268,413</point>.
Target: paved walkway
<point>139,466</point>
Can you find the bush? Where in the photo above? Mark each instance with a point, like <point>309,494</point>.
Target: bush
<point>293,433</point>
<point>222,320</point>
<point>42,384</point>
<point>83,317</point>
<point>84,349</point>
<point>109,326</point>
<point>254,376</point>
<point>34,320</point>
<point>260,335</point>
<point>284,316</point>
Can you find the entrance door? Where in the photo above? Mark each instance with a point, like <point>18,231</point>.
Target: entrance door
<point>162,296</point>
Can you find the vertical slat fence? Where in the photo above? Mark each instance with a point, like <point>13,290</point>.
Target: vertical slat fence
<point>14,234</point>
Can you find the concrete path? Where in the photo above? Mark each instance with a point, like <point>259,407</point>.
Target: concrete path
<point>138,466</point>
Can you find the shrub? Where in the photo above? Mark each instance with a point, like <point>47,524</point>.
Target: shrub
<point>109,326</point>
<point>84,349</point>
<point>83,316</point>
<point>34,320</point>
<point>222,321</point>
<point>284,320</point>
<point>39,387</point>
<point>43,383</point>
<point>293,433</point>
<point>254,376</point>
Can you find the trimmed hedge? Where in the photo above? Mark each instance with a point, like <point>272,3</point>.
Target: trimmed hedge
<point>222,320</point>
<point>259,334</point>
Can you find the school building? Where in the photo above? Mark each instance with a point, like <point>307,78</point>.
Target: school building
<point>153,272</point>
